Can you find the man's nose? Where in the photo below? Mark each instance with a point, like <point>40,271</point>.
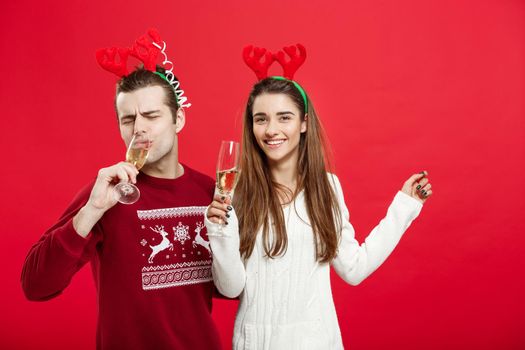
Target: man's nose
<point>139,126</point>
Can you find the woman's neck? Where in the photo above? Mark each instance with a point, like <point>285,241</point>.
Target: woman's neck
<point>286,176</point>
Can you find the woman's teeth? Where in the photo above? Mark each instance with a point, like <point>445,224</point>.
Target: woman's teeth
<point>274,142</point>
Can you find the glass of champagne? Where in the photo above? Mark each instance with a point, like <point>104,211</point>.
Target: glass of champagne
<point>228,168</point>
<point>137,154</point>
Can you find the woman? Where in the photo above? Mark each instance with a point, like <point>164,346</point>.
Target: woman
<point>292,225</point>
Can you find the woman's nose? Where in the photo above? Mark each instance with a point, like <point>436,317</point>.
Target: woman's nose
<point>271,128</point>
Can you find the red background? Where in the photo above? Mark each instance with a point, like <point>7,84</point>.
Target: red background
<point>401,86</point>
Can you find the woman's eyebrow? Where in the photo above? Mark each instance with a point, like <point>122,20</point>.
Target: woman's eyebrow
<point>285,112</point>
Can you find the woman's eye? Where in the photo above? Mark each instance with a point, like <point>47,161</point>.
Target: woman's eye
<point>286,117</point>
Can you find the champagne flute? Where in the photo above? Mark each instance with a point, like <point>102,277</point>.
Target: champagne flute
<point>228,168</point>
<point>137,154</point>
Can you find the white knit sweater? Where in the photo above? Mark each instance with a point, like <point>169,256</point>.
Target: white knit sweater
<point>286,302</point>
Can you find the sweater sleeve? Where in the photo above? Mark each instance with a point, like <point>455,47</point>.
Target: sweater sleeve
<point>57,256</point>
<point>354,261</point>
<point>229,274</point>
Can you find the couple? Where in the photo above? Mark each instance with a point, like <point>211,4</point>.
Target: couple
<point>272,245</point>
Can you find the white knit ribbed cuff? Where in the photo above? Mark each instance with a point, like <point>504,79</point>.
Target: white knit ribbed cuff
<point>408,203</point>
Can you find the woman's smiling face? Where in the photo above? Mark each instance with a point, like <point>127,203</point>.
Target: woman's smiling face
<point>277,127</point>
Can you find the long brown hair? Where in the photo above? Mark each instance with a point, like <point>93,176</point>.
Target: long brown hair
<point>257,200</point>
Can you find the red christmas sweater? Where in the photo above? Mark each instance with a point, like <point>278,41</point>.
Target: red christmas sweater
<point>151,262</point>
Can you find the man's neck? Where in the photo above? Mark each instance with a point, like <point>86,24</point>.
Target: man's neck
<point>164,169</point>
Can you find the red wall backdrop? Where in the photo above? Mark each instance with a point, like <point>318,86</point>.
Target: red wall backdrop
<point>400,85</point>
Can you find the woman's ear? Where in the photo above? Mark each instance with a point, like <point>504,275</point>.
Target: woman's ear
<point>304,123</point>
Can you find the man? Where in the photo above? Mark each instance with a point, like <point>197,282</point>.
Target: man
<point>151,265</point>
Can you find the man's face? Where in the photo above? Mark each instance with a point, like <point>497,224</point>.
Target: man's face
<point>144,110</point>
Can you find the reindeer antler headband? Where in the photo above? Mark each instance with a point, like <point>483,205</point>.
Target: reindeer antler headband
<point>146,49</point>
<point>259,60</point>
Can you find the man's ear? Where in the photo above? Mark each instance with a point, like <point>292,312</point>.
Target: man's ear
<point>180,120</point>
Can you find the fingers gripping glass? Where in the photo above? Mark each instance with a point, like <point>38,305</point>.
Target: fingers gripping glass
<point>228,168</point>
<point>137,154</point>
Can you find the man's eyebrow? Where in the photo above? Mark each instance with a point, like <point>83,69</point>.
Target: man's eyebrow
<point>151,112</point>
<point>127,116</point>
<point>147,113</point>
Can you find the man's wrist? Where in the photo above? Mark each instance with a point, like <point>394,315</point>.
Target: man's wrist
<point>86,218</point>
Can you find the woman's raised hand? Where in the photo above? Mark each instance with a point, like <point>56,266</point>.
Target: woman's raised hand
<point>418,186</point>
<point>218,209</point>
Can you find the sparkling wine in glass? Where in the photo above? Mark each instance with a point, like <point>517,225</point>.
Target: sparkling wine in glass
<point>137,154</point>
<point>228,168</point>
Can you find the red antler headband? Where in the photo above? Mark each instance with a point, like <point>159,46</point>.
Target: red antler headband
<point>297,54</point>
<point>146,49</point>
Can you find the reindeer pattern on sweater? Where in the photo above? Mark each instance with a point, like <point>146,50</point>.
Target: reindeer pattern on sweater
<point>174,250</point>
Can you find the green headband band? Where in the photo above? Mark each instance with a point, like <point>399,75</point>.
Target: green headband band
<point>165,78</point>
<point>305,99</point>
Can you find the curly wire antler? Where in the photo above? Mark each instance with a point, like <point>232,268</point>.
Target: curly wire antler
<point>296,59</point>
<point>170,76</point>
<point>252,57</point>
